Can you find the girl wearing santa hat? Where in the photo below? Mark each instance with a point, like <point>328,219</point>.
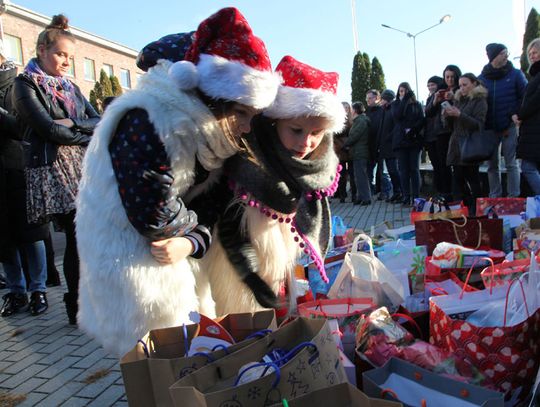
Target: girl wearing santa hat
<point>153,151</point>
<point>277,204</point>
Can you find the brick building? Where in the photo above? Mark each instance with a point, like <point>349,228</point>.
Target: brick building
<point>22,26</point>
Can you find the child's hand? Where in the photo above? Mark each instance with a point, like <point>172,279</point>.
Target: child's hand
<point>170,251</point>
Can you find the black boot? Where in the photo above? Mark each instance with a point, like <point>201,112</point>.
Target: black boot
<point>71,307</point>
<point>38,303</point>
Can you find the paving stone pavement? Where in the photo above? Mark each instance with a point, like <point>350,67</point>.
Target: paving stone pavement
<point>50,362</point>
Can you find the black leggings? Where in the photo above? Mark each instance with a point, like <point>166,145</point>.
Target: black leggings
<point>467,185</point>
<point>71,255</point>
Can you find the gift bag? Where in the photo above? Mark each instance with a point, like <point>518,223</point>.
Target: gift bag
<point>507,356</point>
<point>362,275</point>
<point>532,207</point>
<point>500,206</point>
<point>407,258</point>
<point>343,235</point>
<point>159,358</point>
<point>311,362</point>
<point>413,386</point>
<point>468,232</point>
<point>340,395</point>
<point>432,209</point>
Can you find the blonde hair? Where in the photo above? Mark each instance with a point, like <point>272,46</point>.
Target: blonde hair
<point>533,44</point>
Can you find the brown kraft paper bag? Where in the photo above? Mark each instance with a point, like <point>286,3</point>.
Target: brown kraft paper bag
<point>147,377</point>
<point>309,370</point>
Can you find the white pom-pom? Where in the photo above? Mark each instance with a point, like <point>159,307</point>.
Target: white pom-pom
<point>184,74</point>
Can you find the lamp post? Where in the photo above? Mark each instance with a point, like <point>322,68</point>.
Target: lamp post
<point>443,19</point>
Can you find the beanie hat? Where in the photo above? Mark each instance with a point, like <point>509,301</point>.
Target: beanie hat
<point>388,95</point>
<point>307,91</point>
<point>226,61</point>
<point>494,49</point>
<point>436,79</point>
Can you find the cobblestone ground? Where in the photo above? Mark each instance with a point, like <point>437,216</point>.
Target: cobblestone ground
<point>46,362</point>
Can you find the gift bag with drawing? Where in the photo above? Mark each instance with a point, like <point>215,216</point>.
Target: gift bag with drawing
<point>413,386</point>
<point>161,357</point>
<point>298,358</point>
<point>468,232</point>
<point>425,209</point>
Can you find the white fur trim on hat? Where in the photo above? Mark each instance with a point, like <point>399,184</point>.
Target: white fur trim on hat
<point>232,80</point>
<point>297,102</point>
<point>184,74</point>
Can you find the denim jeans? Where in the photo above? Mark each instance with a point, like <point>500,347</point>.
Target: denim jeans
<point>37,268</point>
<point>361,177</point>
<point>409,171</point>
<point>384,179</point>
<point>530,170</point>
<point>392,167</point>
<point>508,144</point>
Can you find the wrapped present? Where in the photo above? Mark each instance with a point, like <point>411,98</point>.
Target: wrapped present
<point>500,206</point>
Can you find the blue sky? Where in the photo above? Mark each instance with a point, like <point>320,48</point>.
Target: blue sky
<point>320,32</point>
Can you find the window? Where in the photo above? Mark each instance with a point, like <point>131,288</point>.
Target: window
<point>13,49</point>
<point>71,71</point>
<point>108,70</point>
<point>125,79</point>
<point>89,70</point>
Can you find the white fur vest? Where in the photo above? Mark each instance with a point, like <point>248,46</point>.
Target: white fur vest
<point>123,290</point>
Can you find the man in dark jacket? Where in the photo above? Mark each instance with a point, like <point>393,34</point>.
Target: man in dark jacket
<point>381,183</point>
<point>506,87</point>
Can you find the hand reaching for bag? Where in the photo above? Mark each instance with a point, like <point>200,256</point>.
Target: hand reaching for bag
<point>170,251</point>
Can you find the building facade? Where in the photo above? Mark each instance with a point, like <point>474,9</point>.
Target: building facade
<point>22,26</point>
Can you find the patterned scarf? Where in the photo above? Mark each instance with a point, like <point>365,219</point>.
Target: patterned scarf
<point>60,89</point>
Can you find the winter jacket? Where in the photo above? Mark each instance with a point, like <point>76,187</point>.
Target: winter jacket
<point>529,132</point>
<point>358,139</point>
<point>473,110</point>
<point>375,114</point>
<point>408,122</point>
<point>506,87</point>
<point>384,137</point>
<point>435,125</point>
<point>36,112</point>
<point>123,291</point>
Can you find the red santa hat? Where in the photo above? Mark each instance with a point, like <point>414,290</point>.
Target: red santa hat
<point>226,61</point>
<point>307,91</point>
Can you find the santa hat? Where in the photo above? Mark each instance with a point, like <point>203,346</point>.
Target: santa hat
<point>307,91</point>
<point>226,61</point>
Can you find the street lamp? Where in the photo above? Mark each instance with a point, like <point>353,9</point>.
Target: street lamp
<point>443,19</point>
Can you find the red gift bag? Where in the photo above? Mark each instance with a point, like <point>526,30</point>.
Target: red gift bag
<point>500,206</point>
<point>507,356</point>
<point>443,211</point>
<point>468,232</point>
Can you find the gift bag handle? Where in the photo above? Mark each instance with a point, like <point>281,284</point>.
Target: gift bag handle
<point>145,347</point>
<point>469,276</point>
<point>281,361</point>
<point>267,365</point>
<point>456,225</point>
<point>259,334</point>
<point>209,357</point>
<point>364,238</point>
<point>508,293</point>
<point>438,291</point>
<point>411,320</point>
<point>220,346</point>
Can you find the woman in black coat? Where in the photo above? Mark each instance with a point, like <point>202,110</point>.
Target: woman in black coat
<point>408,118</point>
<point>528,148</point>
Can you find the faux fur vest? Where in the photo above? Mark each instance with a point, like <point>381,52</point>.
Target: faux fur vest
<point>124,291</point>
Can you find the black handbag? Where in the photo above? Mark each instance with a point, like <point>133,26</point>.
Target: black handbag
<point>478,146</point>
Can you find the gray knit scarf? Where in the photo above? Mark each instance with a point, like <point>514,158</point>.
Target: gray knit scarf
<point>287,184</point>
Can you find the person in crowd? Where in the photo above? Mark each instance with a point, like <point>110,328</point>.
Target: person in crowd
<point>276,206</point>
<point>441,132</point>
<point>20,242</point>
<point>408,116</point>
<point>528,148</point>
<point>387,156</point>
<point>434,84</point>
<point>158,147</point>
<point>506,87</point>
<point>378,177</point>
<point>343,155</point>
<point>467,115</point>
<point>358,145</point>
<point>57,122</point>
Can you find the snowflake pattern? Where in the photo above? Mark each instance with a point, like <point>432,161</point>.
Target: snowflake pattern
<point>254,393</point>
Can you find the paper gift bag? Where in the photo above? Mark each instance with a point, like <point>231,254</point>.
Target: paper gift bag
<point>314,367</point>
<point>468,232</point>
<point>507,356</point>
<point>430,209</point>
<point>414,386</point>
<point>343,235</point>
<point>500,206</point>
<point>340,395</point>
<point>159,359</point>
